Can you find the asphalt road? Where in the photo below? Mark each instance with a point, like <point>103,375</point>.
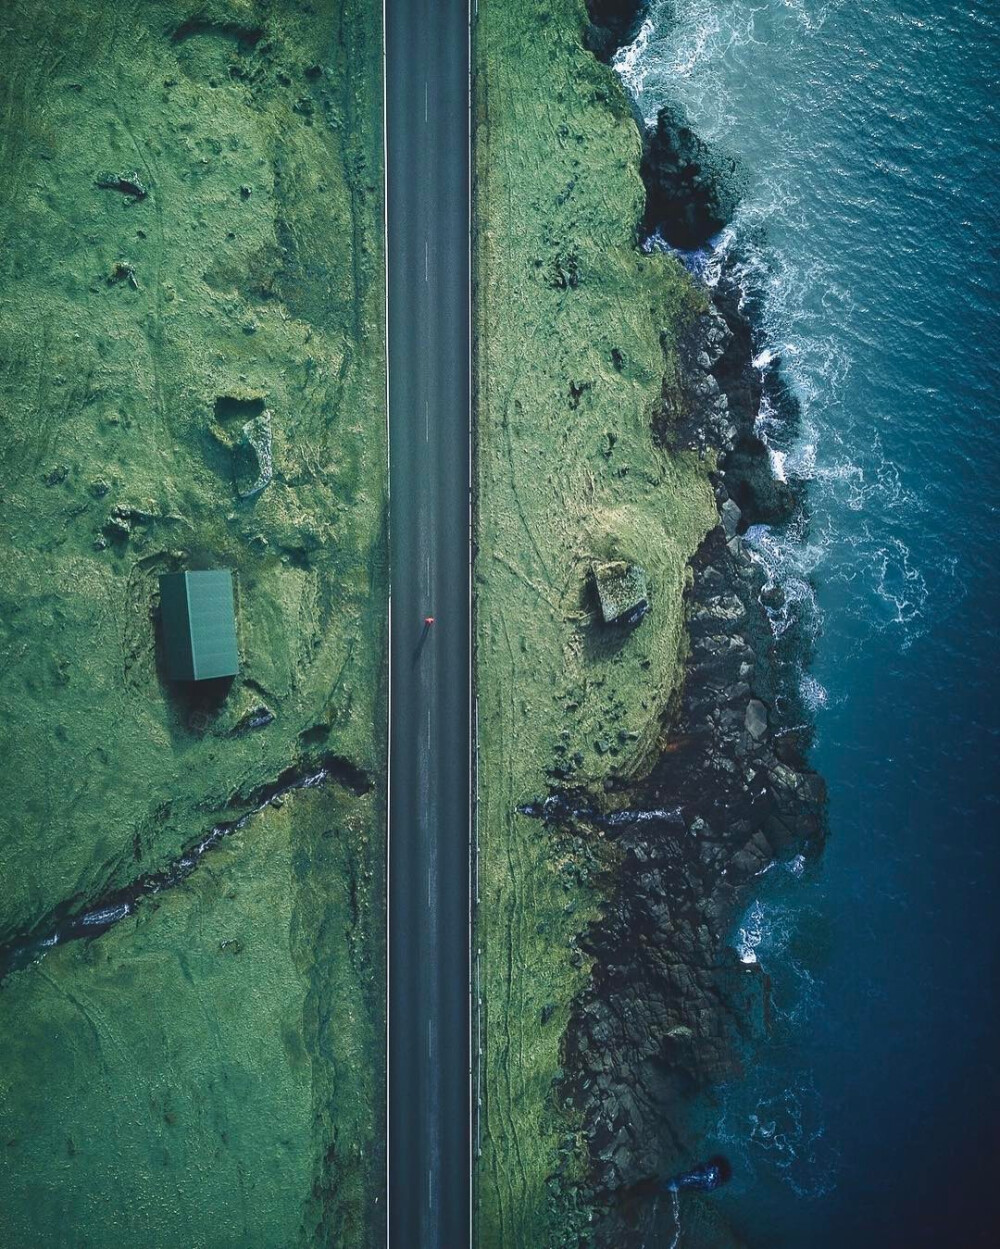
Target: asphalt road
<point>427,178</point>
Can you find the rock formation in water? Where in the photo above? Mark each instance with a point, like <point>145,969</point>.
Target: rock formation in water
<point>612,24</point>
<point>688,198</point>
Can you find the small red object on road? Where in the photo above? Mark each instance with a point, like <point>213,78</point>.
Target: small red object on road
<point>428,620</point>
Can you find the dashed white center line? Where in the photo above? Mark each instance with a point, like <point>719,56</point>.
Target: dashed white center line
<point>427,420</point>
<point>427,261</point>
<point>426,100</point>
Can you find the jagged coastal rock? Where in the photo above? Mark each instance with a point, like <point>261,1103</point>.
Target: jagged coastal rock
<point>612,24</point>
<point>731,790</point>
<point>667,998</point>
<point>686,200</point>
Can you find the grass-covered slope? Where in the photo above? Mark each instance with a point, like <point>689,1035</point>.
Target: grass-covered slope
<point>191,234</point>
<point>206,1073</point>
<point>257,281</point>
<point>577,335</point>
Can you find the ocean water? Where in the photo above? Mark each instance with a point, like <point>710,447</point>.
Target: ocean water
<point>867,134</point>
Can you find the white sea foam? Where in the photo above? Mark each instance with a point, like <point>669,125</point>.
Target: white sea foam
<point>788,1128</point>
<point>796,866</point>
<point>788,562</point>
<point>900,585</point>
<point>675,1206</point>
<point>631,61</point>
<point>777,460</point>
<point>814,695</point>
<point>766,928</point>
<point>751,934</point>
<point>809,15</point>
<point>701,36</point>
<point>773,934</point>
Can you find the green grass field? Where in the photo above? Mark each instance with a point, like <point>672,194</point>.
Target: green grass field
<point>210,1071</point>
<point>577,334</point>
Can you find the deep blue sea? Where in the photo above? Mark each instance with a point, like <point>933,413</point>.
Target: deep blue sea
<point>867,130</point>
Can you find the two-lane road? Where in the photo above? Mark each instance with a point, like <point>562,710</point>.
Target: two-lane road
<point>427,183</point>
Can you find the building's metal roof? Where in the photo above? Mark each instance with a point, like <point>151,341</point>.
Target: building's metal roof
<point>199,624</point>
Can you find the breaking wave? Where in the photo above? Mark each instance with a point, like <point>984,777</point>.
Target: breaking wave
<point>855,545</point>
<point>684,55</point>
<point>867,269</point>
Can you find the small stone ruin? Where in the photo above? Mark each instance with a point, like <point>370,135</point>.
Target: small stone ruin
<point>621,590</point>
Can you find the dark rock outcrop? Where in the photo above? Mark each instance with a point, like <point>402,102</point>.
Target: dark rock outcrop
<point>129,184</point>
<point>691,192</point>
<point>253,462</point>
<point>731,792</point>
<point>612,24</point>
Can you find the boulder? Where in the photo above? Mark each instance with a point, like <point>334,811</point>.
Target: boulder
<point>612,24</point>
<point>253,465</point>
<point>756,719</point>
<point>690,192</point>
<point>730,518</point>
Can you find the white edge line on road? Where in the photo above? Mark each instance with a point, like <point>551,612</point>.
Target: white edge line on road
<point>473,11</point>
<point>388,638</point>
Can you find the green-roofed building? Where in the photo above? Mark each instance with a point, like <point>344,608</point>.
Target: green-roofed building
<point>199,624</point>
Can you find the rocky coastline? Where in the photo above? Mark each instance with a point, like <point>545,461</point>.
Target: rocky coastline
<point>669,1007</point>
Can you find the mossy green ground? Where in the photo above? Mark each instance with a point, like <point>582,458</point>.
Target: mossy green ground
<point>206,1073</point>
<point>257,265</point>
<point>577,335</point>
